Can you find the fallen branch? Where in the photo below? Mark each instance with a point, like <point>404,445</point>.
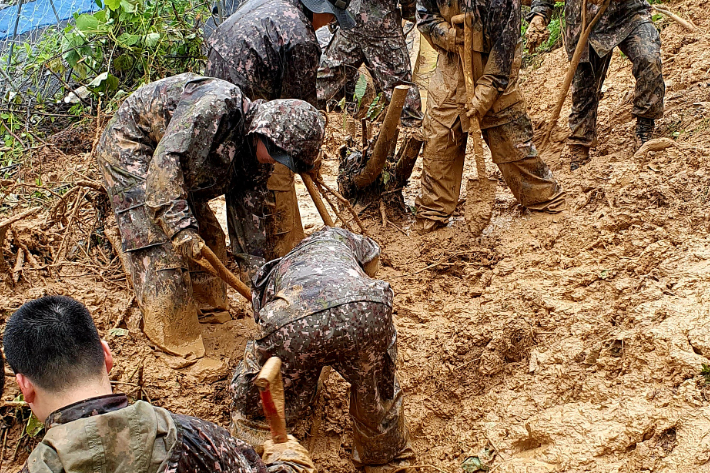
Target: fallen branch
<point>383,214</point>
<point>684,23</point>
<point>345,202</point>
<point>19,263</point>
<point>340,217</point>
<point>659,144</point>
<point>4,227</point>
<point>75,211</point>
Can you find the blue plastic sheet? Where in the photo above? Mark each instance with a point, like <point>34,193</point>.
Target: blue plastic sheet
<point>39,13</point>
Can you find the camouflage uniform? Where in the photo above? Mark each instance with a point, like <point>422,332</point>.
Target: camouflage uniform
<point>269,49</point>
<point>316,307</point>
<point>505,124</point>
<point>171,147</point>
<point>378,41</point>
<point>628,25</point>
<point>106,434</point>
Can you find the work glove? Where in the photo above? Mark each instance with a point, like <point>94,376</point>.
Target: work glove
<point>537,32</point>
<point>315,172</point>
<point>290,453</point>
<point>483,99</point>
<point>188,243</point>
<point>409,12</point>
<point>454,38</point>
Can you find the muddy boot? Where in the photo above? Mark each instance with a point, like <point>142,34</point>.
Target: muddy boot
<point>644,129</point>
<point>399,464</point>
<point>578,156</point>
<point>424,225</point>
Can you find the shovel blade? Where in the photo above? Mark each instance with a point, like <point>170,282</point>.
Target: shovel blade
<point>478,209</point>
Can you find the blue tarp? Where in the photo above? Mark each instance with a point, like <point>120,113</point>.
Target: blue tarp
<point>39,13</point>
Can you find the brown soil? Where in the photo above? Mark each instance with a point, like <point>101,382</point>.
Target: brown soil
<point>564,343</point>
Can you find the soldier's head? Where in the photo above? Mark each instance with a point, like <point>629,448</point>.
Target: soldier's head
<point>55,351</point>
<point>289,132</point>
<point>325,10</point>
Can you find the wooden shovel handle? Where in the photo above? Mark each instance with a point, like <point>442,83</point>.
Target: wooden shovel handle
<point>271,391</point>
<point>315,195</point>
<point>225,274</point>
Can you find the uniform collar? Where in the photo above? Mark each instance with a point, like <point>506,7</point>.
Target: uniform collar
<point>86,408</point>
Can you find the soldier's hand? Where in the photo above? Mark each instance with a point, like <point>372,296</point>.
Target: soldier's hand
<point>188,243</point>
<point>454,38</point>
<point>290,452</point>
<point>315,172</point>
<point>537,33</point>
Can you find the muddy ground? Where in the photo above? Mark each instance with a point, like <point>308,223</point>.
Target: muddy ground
<point>572,342</point>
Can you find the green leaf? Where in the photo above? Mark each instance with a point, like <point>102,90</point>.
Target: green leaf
<point>34,426</point>
<point>113,4</point>
<point>128,40</point>
<point>473,464</point>
<point>128,7</point>
<point>117,332</point>
<point>360,89</point>
<point>103,84</point>
<point>123,63</point>
<point>151,40</point>
<point>98,3</point>
<point>87,24</point>
<point>341,104</point>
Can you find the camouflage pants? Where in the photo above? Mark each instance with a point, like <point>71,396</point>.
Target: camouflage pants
<point>385,57</point>
<point>643,48</point>
<point>171,291</point>
<point>360,342</point>
<point>512,149</point>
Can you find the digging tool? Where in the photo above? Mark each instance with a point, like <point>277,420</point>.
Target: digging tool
<point>222,272</point>
<point>581,44</point>
<point>271,390</point>
<point>315,195</point>
<point>480,193</point>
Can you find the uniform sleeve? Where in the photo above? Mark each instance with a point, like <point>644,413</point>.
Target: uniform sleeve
<point>504,23</point>
<point>365,248</point>
<point>300,70</point>
<point>204,447</point>
<point>166,194</point>
<point>541,7</point>
<point>433,26</point>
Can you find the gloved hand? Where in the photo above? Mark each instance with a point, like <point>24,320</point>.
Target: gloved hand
<point>454,38</point>
<point>188,243</point>
<point>537,32</point>
<point>291,453</point>
<point>409,12</point>
<point>484,98</point>
<point>315,172</point>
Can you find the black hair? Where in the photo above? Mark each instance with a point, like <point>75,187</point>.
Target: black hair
<point>54,342</point>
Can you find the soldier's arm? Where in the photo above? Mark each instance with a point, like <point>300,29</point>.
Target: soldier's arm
<point>300,71</point>
<point>434,27</point>
<point>504,32</point>
<point>543,8</point>
<point>365,249</point>
<point>191,130</point>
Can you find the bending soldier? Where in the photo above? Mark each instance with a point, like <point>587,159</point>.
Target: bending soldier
<point>171,147</point>
<point>62,367</point>
<point>626,24</point>
<point>269,49</point>
<point>315,307</point>
<point>378,41</point>
<point>498,104</point>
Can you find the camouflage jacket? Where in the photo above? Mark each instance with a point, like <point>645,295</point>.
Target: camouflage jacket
<point>269,49</point>
<point>376,18</point>
<point>324,271</point>
<point>106,434</point>
<point>617,22</point>
<point>173,140</point>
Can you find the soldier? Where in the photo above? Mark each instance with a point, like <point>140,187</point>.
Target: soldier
<point>498,105</point>
<point>626,24</point>
<point>62,368</point>
<point>269,49</point>
<point>378,41</point>
<point>171,147</point>
<point>315,307</point>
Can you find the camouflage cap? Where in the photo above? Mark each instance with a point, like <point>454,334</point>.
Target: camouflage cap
<point>295,126</point>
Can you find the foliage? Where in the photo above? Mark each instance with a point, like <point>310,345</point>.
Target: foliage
<point>705,371</point>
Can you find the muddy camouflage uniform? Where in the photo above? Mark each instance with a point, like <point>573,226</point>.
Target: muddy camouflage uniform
<point>269,49</point>
<point>378,41</point>
<point>171,147</point>
<point>505,124</point>
<point>317,307</point>
<point>628,25</point>
<point>106,434</point>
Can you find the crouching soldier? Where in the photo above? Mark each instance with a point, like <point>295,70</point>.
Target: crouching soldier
<point>315,307</point>
<point>171,147</point>
<point>62,367</point>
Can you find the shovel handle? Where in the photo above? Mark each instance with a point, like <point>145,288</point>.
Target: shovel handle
<point>272,398</point>
<point>315,195</point>
<point>225,274</point>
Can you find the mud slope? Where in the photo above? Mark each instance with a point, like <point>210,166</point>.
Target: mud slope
<point>564,343</point>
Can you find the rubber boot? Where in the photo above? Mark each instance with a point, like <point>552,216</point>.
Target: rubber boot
<point>578,156</point>
<point>644,129</point>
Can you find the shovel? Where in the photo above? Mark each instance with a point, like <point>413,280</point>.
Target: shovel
<point>271,390</point>
<point>214,266</point>
<point>480,192</point>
